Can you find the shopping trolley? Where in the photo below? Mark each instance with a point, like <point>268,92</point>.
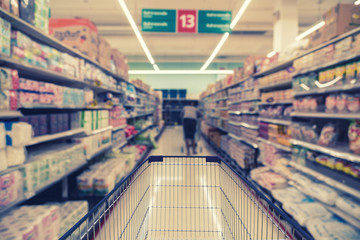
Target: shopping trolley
<point>185,198</point>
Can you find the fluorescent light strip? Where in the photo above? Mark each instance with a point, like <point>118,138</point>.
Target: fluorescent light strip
<point>271,54</point>
<point>156,67</point>
<point>310,30</point>
<point>240,13</point>
<point>357,2</point>
<point>136,31</point>
<point>180,72</point>
<point>216,50</point>
<point>226,35</point>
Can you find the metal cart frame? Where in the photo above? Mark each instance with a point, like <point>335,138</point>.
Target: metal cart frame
<point>185,198</point>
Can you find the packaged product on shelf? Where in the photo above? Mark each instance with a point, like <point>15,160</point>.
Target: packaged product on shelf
<point>288,195</point>
<point>15,155</point>
<point>322,193</point>
<point>27,10</point>
<point>5,38</point>
<point>11,188</point>
<point>119,64</point>
<point>80,34</point>
<point>71,212</point>
<point>41,14</point>
<point>3,160</point>
<point>5,4</point>
<point>303,212</point>
<point>332,228</point>
<point>301,180</point>
<point>354,136</point>
<point>328,135</point>
<point>9,79</point>
<point>104,53</point>
<point>18,133</point>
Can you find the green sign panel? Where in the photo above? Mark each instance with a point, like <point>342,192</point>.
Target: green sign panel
<point>158,20</point>
<point>214,21</point>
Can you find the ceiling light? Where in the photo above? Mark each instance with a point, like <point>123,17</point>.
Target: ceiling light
<point>271,54</point>
<point>136,31</point>
<point>240,13</point>
<point>226,35</point>
<point>310,30</point>
<point>156,67</point>
<point>357,2</point>
<point>216,50</point>
<point>180,72</point>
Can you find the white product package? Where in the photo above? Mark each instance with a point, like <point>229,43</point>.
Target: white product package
<point>322,193</point>
<point>2,136</point>
<point>303,212</point>
<point>15,155</point>
<point>18,134</point>
<point>301,179</point>
<point>331,229</point>
<point>349,205</point>
<point>3,160</point>
<point>289,194</point>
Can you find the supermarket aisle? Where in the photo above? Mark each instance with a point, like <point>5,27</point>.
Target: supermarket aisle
<point>172,140</point>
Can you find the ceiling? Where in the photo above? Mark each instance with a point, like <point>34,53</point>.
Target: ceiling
<point>244,41</point>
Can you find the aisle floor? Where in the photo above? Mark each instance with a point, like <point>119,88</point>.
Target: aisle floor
<point>172,141</point>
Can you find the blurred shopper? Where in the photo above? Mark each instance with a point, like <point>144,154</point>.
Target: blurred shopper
<point>189,117</point>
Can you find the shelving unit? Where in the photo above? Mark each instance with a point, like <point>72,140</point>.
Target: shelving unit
<point>338,88</point>
<point>326,115</point>
<point>275,103</point>
<point>139,133</point>
<point>254,145</point>
<point>275,121</point>
<point>51,137</point>
<point>277,145</point>
<point>10,114</point>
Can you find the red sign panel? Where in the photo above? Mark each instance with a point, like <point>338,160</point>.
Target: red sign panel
<point>187,21</point>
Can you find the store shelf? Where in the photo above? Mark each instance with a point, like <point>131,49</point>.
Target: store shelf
<point>243,112</point>
<point>220,99</point>
<point>9,114</point>
<point>278,67</point>
<point>119,145</point>
<point>139,133</point>
<point>11,169</point>
<point>275,121</point>
<point>222,108</point>
<point>160,133</point>
<point>37,34</point>
<point>277,86</point>
<point>51,137</point>
<point>330,181</point>
<point>318,91</point>
<point>133,105</point>
<point>98,131</point>
<point>100,151</point>
<point>220,128</point>
<point>246,100</point>
<point>233,136</point>
<point>275,103</point>
<point>243,90</point>
<point>145,114</point>
<point>346,217</point>
<point>326,115</point>
<point>115,129</point>
<point>243,124</point>
<point>277,145</point>
<point>341,152</point>
<point>327,64</point>
<point>45,75</point>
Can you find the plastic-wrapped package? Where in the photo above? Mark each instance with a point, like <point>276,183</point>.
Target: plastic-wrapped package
<point>349,205</point>
<point>331,229</point>
<point>330,103</point>
<point>328,136</point>
<point>354,136</point>
<point>322,192</point>
<point>18,133</point>
<point>301,179</point>
<point>341,101</point>
<point>289,194</point>
<point>303,212</point>
<point>353,103</point>
<point>309,133</point>
<point>15,155</point>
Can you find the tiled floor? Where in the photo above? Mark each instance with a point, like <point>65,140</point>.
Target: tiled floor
<point>172,142</point>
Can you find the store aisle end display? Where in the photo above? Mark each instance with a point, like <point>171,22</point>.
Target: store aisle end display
<point>64,112</point>
<point>294,123</point>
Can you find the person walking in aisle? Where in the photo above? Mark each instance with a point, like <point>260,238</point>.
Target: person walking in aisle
<point>189,117</point>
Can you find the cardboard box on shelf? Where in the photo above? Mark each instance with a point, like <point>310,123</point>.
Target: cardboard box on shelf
<point>104,53</point>
<point>341,19</point>
<point>79,33</point>
<point>316,38</point>
<point>27,10</point>
<point>120,64</point>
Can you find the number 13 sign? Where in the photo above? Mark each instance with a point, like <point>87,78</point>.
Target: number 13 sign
<point>187,21</point>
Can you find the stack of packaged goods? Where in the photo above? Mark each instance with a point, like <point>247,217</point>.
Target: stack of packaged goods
<point>43,167</point>
<point>275,133</point>
<point>5,38</point>
<point>117,116</point>
<point>42,14</point>
<point>92,120</point>
<point>102,177</point>
<point>11,188</point>
<point>42,222</point>
<point>243,154</point>
<point>277,96</point>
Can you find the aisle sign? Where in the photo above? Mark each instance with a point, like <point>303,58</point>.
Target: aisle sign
<point>158,20</point>
<point>214,21</point>
<point>186,21</point>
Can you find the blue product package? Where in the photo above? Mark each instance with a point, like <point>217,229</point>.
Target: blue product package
<point>27,10</point>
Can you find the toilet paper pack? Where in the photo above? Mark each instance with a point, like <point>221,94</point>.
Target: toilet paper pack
<point>15,155</point>
<point>18,133</point>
